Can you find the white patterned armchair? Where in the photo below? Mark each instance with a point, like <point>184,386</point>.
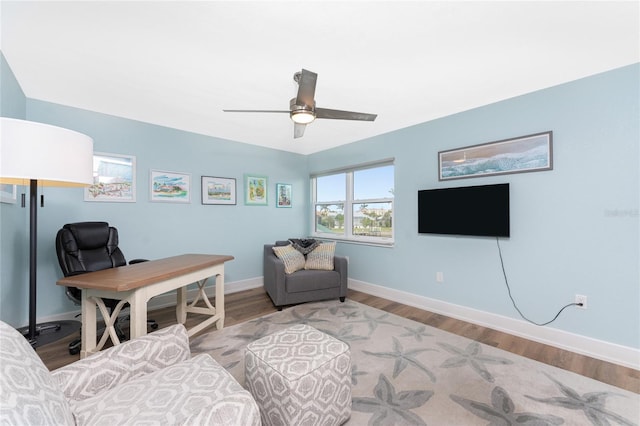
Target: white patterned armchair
<point>148,380</point>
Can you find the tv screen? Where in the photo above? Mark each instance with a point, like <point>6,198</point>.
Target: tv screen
<point>470,210</point>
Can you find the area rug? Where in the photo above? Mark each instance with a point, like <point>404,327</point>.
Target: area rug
<point>408,373</point>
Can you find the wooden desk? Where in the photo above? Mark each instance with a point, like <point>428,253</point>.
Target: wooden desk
<point>136,284</point>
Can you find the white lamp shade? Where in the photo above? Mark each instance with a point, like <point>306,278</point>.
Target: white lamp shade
<point>52,155</point>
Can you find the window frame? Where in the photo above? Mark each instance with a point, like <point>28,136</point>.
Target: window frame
<point>348,205</point>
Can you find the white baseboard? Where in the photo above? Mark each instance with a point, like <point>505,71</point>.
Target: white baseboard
<point>599,349</point>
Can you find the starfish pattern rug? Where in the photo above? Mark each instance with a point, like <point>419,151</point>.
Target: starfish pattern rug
<point>408,373</point>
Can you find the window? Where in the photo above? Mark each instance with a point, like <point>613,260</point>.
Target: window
<point>355,204</point>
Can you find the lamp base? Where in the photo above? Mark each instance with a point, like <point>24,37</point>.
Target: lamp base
<point>49,332</point>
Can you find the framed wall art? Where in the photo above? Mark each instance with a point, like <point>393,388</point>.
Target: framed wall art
<point>531,153</point>
<point>114,178</point>
<point>283,195</point>
<point>8,193</point>
<point>218,190</point>
<point>255,190</point>
<point>170,187</point>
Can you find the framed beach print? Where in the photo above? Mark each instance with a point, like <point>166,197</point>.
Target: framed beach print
<point>218,190</point>
<point>529,153</point>
<point>255,190</point>
<point>170,187</point>
<point>8,193</point>
<point>283,195</point>
<point>114,179</point>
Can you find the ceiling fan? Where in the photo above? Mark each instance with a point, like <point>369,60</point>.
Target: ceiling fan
<point>302,108</point>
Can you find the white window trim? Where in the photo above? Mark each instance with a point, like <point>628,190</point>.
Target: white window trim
<point>348,203</point>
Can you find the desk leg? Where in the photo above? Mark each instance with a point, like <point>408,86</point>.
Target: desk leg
<point>138,313</point>
<point>220,300</point>
<point>215,313</point>
<point>181,305</point>
<point>88,338</point>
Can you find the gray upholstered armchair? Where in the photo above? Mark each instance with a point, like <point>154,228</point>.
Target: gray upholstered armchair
<point>148,380</point>
<point>303,285</point>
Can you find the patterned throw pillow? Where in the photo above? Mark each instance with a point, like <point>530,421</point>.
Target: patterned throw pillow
<point>321,257</point>
<point>292,258</point>
<point>304,245</point>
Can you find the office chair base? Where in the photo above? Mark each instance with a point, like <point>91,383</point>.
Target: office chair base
<point>49,332</point>
<point>74,347</point>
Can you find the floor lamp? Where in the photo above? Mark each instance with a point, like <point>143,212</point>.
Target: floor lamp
<point>41,155</point>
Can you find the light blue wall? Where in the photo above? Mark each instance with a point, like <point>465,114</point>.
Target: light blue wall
<point>12,100</point>
<point>155,230</point>
<point>574,230</point>
<point>14,224</point>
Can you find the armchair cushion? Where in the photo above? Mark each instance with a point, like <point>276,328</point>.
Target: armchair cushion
<point>28,394</point>
<point>292,258</point>
<point>310,280</point>
<point>119,364</point>
<point>185,393</point>
<point>321,257</point>
<point>148,380</point>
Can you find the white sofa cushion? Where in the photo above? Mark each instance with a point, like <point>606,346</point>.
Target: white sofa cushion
<point>119,364</point>
<point>28,394</point>
<point>196,391</point>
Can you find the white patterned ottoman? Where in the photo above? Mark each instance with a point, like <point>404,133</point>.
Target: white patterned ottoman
<point>300,376</point>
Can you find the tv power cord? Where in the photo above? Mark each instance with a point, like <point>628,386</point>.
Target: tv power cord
<point>506,281</point>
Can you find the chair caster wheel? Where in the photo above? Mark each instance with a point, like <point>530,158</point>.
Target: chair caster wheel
<point>74,347</point>
<point>154,326</point>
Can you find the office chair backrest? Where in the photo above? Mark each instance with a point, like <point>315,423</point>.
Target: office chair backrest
<point>87,247</point>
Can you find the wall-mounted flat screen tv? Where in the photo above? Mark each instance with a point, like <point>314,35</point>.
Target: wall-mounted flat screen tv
<point>470,210</point>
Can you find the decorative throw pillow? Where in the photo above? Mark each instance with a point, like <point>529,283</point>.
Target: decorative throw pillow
<point>321,257</point>
<point>292,258</point>
<point>304,245</point>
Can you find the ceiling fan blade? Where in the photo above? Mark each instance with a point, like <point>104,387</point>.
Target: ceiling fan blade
<point>306,88</point>
<point>337,114</point>
<point>254,110</point>
<point>298,130</point>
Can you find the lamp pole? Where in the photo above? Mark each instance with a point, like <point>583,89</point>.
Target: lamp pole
<point>65,158</point>
<point>33,251</point>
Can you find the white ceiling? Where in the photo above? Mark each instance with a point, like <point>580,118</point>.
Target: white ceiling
<point>178,64</point>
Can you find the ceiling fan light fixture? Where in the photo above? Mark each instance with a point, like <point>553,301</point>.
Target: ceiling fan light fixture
<point>302,116</point>
<point>302,109</point>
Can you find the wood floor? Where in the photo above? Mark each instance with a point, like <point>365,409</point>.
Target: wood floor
<point>246,305</point>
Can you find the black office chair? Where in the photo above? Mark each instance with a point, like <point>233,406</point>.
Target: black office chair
<point>87,247</point>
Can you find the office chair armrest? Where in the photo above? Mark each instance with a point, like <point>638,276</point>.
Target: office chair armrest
<point>114,366</point>
<point>134,261</point>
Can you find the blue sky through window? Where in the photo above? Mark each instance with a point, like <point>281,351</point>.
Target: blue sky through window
<point>370,183</point>
<point>373,183</point>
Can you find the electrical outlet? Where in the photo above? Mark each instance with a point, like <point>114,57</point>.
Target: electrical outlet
<point>439,277</point>
<point>581,299</point>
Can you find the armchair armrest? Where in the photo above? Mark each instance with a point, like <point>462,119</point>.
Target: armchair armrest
<point>341,265</point>
<point>119,364</point>
<point>273,275</point>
